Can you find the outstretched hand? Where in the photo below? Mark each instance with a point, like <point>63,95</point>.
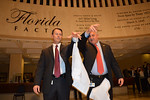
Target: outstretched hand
<point>92,28</point>
<point>75,34</point>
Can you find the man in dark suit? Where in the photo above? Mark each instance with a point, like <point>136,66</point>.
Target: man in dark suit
<point>89,51</point>
<point>55,86</point>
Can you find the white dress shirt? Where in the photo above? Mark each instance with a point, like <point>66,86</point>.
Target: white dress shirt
<point>62,63</point>
<point>94,70</point>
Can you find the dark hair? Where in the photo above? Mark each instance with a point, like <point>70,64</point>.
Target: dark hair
<point>57,29</point>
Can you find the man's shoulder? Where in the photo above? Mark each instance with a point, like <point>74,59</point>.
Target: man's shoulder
<point>104,44</point>
<point>47,48</point>
<point>101,43</point>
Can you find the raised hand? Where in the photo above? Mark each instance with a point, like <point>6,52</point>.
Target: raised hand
<point>75,34</point>
<point>92,28</point>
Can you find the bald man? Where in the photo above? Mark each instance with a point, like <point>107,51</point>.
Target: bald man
<point>89,50</point>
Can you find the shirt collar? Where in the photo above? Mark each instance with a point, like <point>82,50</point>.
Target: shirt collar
<point>56,44</point>
<point>98,44</point>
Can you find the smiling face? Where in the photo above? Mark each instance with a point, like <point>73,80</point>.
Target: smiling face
<point>57,35</point>
<point>93,38</point>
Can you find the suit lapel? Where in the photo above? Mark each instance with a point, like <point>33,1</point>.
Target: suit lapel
<point>61,46</point>
<point>103,49</point>
<point>61,51</point>
<point>51,51</point>
<point>51,54</point>
<point>105,55</point>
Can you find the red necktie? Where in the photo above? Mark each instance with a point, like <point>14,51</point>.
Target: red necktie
<point>100,67</point>
<point>57,63</point>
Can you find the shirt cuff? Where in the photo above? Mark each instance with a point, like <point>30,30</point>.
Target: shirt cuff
<point>75,39</point>
<point>86,35</point>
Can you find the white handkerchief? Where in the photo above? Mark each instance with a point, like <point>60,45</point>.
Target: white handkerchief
<point>80,77</point>
<point>101,92</point>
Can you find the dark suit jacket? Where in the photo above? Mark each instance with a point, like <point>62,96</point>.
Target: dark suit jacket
<point>89,52</point>
<point>46,64</point>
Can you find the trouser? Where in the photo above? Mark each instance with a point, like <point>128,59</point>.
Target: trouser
<point>59,90</point>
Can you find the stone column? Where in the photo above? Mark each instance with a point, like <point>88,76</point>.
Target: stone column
<point>16,68</point>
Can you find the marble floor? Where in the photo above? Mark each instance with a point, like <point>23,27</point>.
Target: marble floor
<point>129,96</point>
<point>132,96</point>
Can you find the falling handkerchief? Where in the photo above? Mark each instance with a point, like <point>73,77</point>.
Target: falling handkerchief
<point>80,77</point>
<point>101,92</point>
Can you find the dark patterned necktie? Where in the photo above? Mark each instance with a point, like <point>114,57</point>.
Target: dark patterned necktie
<point>57,63</point>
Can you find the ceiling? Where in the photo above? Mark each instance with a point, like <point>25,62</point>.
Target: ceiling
<point>31,49</point>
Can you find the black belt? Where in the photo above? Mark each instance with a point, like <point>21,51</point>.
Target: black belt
<point>62,75</point>
<point>98,76</point>
<point>97,79</point>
